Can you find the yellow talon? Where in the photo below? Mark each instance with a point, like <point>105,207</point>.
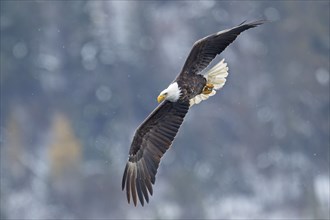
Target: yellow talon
<point>207,88</point>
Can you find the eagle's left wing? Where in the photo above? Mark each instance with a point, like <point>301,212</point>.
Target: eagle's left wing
<point>205,49</point>
<point>151,140</point>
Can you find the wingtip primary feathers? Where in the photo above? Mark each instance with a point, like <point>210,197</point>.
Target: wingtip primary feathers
<point>136,182</point>
<point>246,24</point>
<point>255,23</point>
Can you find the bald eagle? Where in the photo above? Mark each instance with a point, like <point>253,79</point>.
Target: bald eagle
<point>157,132</point>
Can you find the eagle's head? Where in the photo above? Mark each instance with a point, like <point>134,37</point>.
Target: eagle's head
<point>172,93</point>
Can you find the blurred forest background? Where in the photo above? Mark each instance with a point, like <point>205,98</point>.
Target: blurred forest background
<point>78,77</point>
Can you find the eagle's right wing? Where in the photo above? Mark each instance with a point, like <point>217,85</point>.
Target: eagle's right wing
<point>151,140</point>
<point>205,49</point>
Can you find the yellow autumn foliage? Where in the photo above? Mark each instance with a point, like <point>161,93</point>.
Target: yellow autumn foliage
<point>14,149</point>
<point>65,150</point>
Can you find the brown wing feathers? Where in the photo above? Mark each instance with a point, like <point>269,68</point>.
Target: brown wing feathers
<point>205,49</point>
<point>151,140</point>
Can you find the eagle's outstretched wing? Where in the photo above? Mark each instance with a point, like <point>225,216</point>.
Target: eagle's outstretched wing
<point>205,49</point>
<point>153,137</point>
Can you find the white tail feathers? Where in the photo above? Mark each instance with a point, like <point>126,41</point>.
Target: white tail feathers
<point>215,76</point>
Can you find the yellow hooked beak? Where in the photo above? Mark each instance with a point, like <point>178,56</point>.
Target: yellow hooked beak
<point>161,98</point>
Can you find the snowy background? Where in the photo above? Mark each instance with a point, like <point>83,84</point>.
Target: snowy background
<point>78,77</point>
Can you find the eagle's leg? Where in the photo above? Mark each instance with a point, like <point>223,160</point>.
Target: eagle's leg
<point>207,88</point>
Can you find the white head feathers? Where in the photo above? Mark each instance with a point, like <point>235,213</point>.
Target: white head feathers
<point>172,93</point>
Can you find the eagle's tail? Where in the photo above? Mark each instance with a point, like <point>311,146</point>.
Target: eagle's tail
<point>216,76</point>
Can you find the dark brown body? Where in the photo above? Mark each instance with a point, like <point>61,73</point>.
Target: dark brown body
<point>190,85</point>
